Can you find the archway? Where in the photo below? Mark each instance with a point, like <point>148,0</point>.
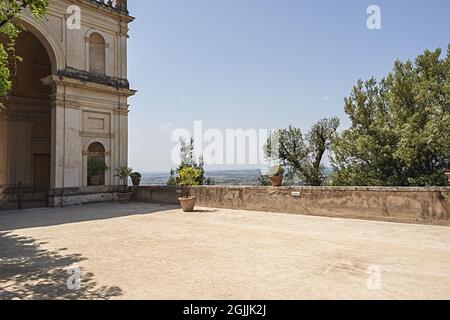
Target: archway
<point>25,125</point>
<point>96,164</point>
<point>47,37</point>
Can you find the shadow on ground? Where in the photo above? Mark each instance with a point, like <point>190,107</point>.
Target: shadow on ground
<point>58,216</point>
<point>29,272</point>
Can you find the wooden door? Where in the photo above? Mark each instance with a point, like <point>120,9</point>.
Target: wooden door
<point>41,171</point>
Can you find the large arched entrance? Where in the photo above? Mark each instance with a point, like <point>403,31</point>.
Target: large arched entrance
<point>25,121</point>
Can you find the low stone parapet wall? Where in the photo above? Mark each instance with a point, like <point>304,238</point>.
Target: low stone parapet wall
<point>427,205</point>
<point>79,196</point>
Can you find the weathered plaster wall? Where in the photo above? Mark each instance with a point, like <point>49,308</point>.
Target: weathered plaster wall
<point>388,204</point>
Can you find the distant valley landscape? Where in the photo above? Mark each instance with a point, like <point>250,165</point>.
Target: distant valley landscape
<point>225,177</point>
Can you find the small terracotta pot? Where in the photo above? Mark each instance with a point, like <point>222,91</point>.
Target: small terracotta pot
<point>136,181</point>
<point>277,181</point>
<point>448,175</point>
<point>188,204</point>
<point>124,197</point>
<point>94,180</point>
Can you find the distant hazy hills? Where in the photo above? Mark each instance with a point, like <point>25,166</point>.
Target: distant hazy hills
<point>224,177</point>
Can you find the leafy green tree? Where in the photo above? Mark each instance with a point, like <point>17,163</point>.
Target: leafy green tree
<point>319,140</point>
<point>188,160</point>
<point>209,182</point>
<point>188,177</point>
<point>301,155</point>
<point>9,31</point>
<point>400,127</point>
<point>172,179</point>
<point>123,174</point>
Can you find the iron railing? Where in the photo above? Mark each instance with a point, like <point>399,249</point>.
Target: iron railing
<point>20,196</point>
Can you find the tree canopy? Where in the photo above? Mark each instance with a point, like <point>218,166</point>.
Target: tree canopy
<point>188,160</point>
<point>302,156</point>
<point>9,31</point>
<point>400,127</point>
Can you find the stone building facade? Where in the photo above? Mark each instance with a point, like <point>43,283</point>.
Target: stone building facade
<point>69,101</point>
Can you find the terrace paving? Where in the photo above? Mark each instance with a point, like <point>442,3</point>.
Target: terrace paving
<point>150,251</point>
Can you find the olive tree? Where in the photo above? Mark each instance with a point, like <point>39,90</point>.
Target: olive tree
<point>303,155</point>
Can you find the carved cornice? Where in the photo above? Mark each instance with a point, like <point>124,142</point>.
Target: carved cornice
<point>96,135</point>
<point>122,112</point>
<point>94,77</point>
<point>70,80</point>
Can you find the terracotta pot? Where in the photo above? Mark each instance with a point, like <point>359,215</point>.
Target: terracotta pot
<point>188,204</point>
<point>124,197</point>
<point>277,181</point>
<point>448,176</point>
<point>136,181</point>
<point>94,180</point>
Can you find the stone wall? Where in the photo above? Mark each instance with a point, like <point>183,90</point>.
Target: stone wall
<point>79,196</point>
<point>427,205</point>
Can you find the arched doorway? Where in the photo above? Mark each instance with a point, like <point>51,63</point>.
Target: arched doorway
<point>26,118</point>
<point>96,164</point>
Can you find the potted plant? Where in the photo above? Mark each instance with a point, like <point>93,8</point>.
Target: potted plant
<point>276,175</point>
<point>96,170</point>
<point>136,178</point>
<point>188,177</point>
<point>124,174</point>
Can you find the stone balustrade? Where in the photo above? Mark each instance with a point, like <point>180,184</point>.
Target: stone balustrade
<point>118,5</point>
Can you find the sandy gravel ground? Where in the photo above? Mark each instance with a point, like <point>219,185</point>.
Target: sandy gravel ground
<point>145,251</point>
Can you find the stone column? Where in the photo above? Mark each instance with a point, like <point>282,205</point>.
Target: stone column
<point>120,156</point>
<point>66,149</point>
<point>57,146</point>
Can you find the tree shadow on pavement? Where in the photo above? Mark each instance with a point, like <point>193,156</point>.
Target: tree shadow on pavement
<point>60,216</point>
<point>29,272</point>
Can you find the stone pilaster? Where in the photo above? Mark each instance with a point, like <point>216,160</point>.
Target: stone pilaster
<point>66,149</point>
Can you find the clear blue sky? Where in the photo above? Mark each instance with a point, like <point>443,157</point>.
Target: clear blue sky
<point>260,63</point>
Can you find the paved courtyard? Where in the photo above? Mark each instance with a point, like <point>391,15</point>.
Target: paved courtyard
<point>148,251</point>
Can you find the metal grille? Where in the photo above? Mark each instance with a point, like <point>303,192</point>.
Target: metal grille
<point>19,196</point>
